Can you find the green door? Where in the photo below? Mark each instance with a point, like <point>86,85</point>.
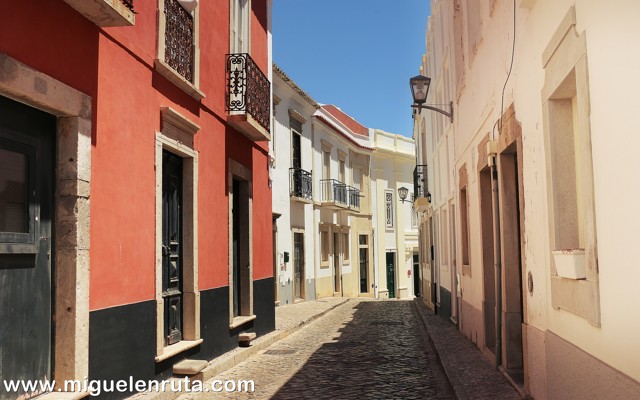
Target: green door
<point>391,275</point>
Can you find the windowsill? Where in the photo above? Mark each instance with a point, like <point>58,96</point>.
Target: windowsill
<point>324,264</point>
<point>241,320</point>
<point>165,70</point>
<point>346,262</point>
<point>177,348</point>
<point>466,270</point>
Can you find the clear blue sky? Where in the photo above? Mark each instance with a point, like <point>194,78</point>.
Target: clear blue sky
<point>356,54</point>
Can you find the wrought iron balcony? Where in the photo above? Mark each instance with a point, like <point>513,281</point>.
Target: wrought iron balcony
<point>248,97</point>
<point>420,184</point>
<point>421,195</point>
<point>354,198</point>
<point>300,184</point>
<point>334,192</point>
<point>106,12</point>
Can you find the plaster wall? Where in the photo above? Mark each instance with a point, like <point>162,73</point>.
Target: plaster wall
<point>295,215</point>
<point>610,31</point>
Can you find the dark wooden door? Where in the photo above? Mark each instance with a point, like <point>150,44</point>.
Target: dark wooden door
<point>364,270</point>
<point>297,156</point>
<point>298,264</point>
<point>391,275</point>
<point>336,263</point>
<point>172,246</point>
<point>27,138</point>
<point>416,275</point>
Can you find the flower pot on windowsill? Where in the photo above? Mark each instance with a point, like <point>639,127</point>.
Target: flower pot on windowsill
<point>570,264</point>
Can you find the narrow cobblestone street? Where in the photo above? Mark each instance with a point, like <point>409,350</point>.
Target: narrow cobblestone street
<point>362,349</point>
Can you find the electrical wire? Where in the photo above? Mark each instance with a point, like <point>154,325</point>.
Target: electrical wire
<point>513,50</point>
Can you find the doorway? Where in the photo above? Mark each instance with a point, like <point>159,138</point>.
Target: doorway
<point>416,275</point>
<point>510,237</point>
<point>391,274</point>
<point>488,262</point>
<point>241,282</point>
<point>27,146</point>
<point>172,246</point>
<point>336,263</point>
<point>298,265</point>
<point>363,249</point>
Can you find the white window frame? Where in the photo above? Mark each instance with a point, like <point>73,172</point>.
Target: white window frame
<point>240,26</point>
<point>160,64</point>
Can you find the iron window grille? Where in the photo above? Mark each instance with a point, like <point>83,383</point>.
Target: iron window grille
<point>179,39</point>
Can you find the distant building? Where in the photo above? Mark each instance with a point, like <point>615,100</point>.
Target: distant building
<point>395,222</point>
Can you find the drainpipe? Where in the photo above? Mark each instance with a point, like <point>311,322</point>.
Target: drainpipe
<point>496,256</point>
<point>375,267</point>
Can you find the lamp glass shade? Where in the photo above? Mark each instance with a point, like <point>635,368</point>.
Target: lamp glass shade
<point>403,192</point>
<point>419,88</point>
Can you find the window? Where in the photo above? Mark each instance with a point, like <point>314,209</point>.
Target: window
<point>326,165</point>
<point>414,219</point>
<point>178,53</point>
<point>573,241</point>
<point>357,178</point>
<point>324,247</point>
<point>240,26</point>
<point>388,199</point>
<point>341,176</point>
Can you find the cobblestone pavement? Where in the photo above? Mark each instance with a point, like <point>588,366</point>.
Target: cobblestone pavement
<point>470,373</point>
<point>360,350</point>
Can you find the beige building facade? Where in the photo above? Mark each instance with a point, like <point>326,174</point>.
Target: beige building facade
<point>395,222</point>
<point>532,188</point>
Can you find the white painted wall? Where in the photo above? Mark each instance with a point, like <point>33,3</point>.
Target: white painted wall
<point>611,30</point>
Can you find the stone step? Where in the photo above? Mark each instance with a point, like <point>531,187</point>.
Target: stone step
<point>189,367</point>
<point>245,338</point>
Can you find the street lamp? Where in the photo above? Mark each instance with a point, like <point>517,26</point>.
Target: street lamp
<point>419,90</point>
<point>403,192</point>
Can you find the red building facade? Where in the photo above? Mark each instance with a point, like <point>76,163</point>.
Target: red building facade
<point>133,145</point>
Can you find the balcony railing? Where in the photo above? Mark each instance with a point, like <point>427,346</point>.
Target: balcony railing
<point>128,4</point>
<point>420,184</point>
<point>248,95</point>
<point>334,191</point>
<point>300,183</point>
<point>354,197</point>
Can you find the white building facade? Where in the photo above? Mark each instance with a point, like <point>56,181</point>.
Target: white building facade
<point>291,167</point>
<point>395,222</point>
<point>534,177</point>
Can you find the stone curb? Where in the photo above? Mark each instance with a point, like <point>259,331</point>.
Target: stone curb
<point>237,355</point>
<point>458,390</point>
